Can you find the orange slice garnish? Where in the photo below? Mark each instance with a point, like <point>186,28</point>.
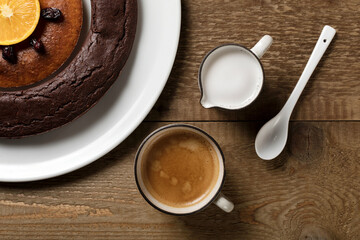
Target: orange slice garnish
<point>18,20</point>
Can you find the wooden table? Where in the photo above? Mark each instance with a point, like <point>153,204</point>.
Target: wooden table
<point>311,190</point>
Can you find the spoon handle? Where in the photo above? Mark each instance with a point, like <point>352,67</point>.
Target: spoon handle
<point>322,44</point>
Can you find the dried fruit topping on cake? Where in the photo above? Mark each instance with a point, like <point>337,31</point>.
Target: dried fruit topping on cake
<point>37,45</point>
<point>51,14</point>
<point>8,54</point>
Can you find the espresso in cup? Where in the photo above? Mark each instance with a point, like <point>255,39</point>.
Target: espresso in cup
<point>179,169</point>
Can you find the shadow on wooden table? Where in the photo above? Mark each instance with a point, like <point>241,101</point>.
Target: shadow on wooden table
<point>319,70</point>
<point>213,223</point>
<point>168,95</point>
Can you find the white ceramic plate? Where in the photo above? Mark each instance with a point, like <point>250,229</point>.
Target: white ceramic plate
<point>117,114</point>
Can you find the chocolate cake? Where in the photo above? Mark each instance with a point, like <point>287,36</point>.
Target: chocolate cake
<point>59,100</point>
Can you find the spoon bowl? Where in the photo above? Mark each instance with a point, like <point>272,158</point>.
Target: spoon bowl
<point>272,138</point>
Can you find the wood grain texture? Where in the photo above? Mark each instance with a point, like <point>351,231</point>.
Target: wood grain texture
<point>301,194</point>
<point>311,191</point>
<point>333,93</point>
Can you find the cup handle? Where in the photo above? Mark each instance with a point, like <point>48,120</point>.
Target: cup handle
<point>224,203</point>
<point>262,46</point>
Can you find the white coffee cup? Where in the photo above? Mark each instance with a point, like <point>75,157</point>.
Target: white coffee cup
<point>231,76</point>
<point>215,196</point>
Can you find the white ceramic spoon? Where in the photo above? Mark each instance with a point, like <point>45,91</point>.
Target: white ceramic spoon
<point>272,137</point>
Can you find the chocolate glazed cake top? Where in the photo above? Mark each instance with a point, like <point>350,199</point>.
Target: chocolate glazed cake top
<point>82,83</point>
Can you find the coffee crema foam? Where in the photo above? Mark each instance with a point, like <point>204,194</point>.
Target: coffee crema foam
<point>180,168</point>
